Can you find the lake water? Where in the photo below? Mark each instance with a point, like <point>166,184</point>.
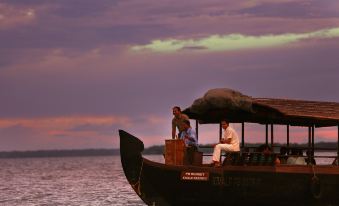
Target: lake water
<point>66,181</point>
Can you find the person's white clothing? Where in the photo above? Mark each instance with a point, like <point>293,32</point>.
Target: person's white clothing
<point>296,161</point>
<point>233,146</point>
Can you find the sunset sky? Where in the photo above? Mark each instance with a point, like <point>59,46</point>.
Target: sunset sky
<point>73,72</point>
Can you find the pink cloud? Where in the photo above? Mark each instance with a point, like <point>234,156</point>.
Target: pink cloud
<point>10,17</point>
<point>60,132</point>
<point>63,122</point>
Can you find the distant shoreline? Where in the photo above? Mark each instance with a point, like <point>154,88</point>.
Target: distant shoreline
<point>74,153</point>
<point>157,149</point>
<point>60,153</point>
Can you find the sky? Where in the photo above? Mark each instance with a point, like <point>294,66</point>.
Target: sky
<point>73,72</point>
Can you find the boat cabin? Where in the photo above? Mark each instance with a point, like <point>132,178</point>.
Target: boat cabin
<point>219,104</point>
<point>248,177</point>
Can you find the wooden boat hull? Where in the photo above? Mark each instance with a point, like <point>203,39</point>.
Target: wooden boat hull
<point>159,184</point>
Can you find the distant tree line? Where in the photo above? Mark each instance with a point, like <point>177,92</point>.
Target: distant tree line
<point>60,153</point>
<point>156,149</point>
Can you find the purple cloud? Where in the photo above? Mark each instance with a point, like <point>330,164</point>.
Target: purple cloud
<point>73,59</point>
<point>301,9</point>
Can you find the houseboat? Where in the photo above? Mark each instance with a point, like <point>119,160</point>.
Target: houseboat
<point>245,178</point>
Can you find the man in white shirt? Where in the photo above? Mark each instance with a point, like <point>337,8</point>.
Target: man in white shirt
<point>296,157</point>
<point>228,143</point>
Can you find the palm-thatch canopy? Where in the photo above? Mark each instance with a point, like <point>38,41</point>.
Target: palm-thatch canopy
<point>223,103</point>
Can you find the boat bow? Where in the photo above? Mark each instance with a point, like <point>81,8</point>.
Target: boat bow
<point>131,159</point>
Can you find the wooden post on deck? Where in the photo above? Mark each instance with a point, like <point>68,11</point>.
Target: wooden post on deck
<point>266,134</point>
<point>338,146</point>
<point>309,143</point>
<point>312,141</point>
<point>220,136</point>
<point>197,129</point>
<point>220,132</point>
<point>288,136</point>
<point>242,135</point>
<point>272,137</point>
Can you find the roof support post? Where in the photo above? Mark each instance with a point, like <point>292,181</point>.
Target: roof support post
<point>197,128</point>
<point>312,141</point>
<point>266,134</point>
<point>220,132</point>
<point>242,135</point>
<point>338,146</point>
<point>288,136</point>
<point>309,143</point>
<point>220,136</point>
<point>272,136</point>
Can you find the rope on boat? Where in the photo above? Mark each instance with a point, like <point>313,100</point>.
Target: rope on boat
<point>136,186</point>
<point>315,185</point>
<point>314,175</point>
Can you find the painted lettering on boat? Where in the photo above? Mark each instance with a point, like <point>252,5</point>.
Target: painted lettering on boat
<point>230,181</point>
<point>195,176</point>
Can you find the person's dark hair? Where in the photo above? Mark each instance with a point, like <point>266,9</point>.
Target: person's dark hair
<point>283,150</point>
<point>294,151</point>
<point>186,122</point>
<point>300,152</point>
<point>308,152</point>
<point>262,147</point>
<point>178,108</point>
<point>225,120</point>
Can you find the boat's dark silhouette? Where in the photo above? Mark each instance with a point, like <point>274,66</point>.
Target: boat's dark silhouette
<point>244,180</point>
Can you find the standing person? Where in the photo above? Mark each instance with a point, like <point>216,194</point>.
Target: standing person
<point>229,142</point>
<point>177,121</point>
<point>191,142</point>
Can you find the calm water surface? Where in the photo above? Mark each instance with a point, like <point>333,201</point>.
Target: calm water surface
<point>68,181</point>
<point>65,181</point>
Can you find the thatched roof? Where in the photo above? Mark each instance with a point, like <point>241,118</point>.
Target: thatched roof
<point>218,104</point>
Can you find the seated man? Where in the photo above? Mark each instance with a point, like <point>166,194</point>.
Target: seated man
<point>229,142</point>
<point>267,157</point>
<point>296,157</point>
<point>191,142</point>
<point>283,154</point>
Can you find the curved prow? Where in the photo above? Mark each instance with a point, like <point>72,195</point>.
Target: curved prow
<point>131,159</point>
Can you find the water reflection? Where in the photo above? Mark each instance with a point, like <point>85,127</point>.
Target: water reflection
<point>65,181</point>
<point>72,181</point>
